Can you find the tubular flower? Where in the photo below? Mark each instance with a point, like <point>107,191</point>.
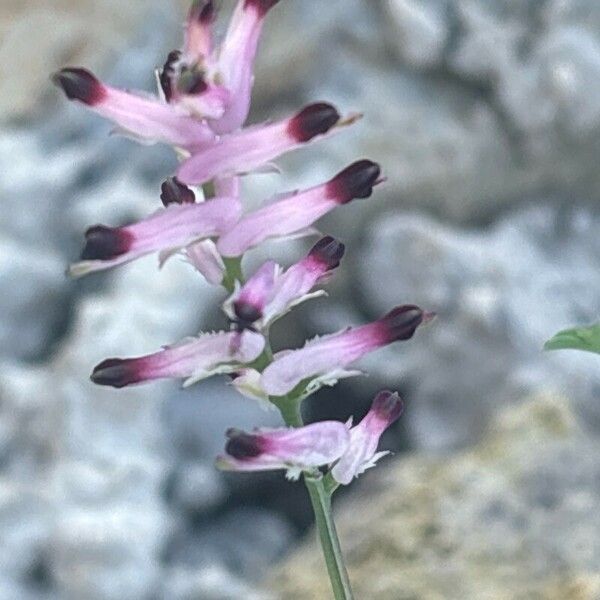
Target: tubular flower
<point>251,148</point>
<point>145,118</point>
<point>364,438</point>
<point>299,211</point>
<point>166,231</point>
<point>327,357</point>
<point>269,293</point>
<point>193,359</point>
<point>204,91</point>
<point>296,450</point>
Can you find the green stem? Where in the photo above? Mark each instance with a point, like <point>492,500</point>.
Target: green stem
<point>233,273</point>
<point>321,502</point>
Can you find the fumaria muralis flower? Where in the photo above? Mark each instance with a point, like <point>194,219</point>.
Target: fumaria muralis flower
<point>297,212</point>
<point>324,360</point>
<point>270,293</point>
<point>192,359</point>
<point>364,438</point>
<point>253,147</point>
<point>204,91</point>
<point>295,450</point>
<point>167,230</point>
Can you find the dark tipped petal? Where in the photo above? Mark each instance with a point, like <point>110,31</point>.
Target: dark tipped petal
<point>168,73</point>
<point>355,181</point>
<point>328,251</point>
<point>402,322</point>
<point>243,445</point>
<point>116,372</point>
<point>79,84</point>
<point>103,243</point>
<point>313,120</point>
<point>387,406</point>
<point>172,191</point>
<point>262,6</point>
<point>203,11</point>
<point>192,81</point>
<point>245,312</point>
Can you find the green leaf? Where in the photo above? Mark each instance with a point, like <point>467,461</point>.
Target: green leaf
<point>578,338</point>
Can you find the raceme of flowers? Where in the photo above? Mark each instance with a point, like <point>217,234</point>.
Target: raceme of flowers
<point>201,109</point>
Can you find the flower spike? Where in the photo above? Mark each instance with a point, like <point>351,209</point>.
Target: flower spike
<point>300,210</point>
<point>251,148</point>
<point>296,450</point>
<point>142,117</point>
<point>236,61</point>
<point>327,357</point>
<point>193,359</point>
<point>364,438</point>
<point>167,230</point>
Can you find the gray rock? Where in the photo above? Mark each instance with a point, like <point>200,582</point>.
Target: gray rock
<point>209,583</point>
<point>197,488</point>
<point>246,541</point>
<point>514,518</point>
<point>499,295</point>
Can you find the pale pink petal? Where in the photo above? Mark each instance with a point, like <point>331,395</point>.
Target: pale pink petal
<point>246,304</point>
<point>249,149</point>
<point>145,118</point>
<point>198,30</point>
<point>203,256</point>
<point>170,228</point>
<point>192,359</point>
<point>301,448</point>
<point>236,60</point>
<point>334,352</point>
<point>297,212</point>
<point>364,438</point>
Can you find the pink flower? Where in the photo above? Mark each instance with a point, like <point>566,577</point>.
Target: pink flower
<point>269,293</point>
<point>142,117</point>
<point>204,90</point>
<point>253,147</point>
<point>166,231</point>
<point>304,448</point>
<point>296,213</point>
<point>235,61</point>
<point>193,359</point>
<point>364,438</point>
<point>324,360</point>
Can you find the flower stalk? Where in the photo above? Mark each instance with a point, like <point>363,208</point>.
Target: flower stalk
<point>200,110</point>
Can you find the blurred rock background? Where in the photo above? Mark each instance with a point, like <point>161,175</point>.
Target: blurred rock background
<point>486,117</point>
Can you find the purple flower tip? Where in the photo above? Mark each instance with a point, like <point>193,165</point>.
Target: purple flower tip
<point>387,406</point>
<point>103,243</point>
<point>243,445</point>
<point>116,372</point>
<point>355,181</point>
<point>172,191</point>
<point>328,251</point>
<point>402,322</point>
<point>203,11</point>
<point>262,6</point>
<point>79,84</point>
<point>246,312</point>
<point>168,73</point>
<point>313,120</point>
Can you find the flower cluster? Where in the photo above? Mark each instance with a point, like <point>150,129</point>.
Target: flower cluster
<point>201,109</point>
